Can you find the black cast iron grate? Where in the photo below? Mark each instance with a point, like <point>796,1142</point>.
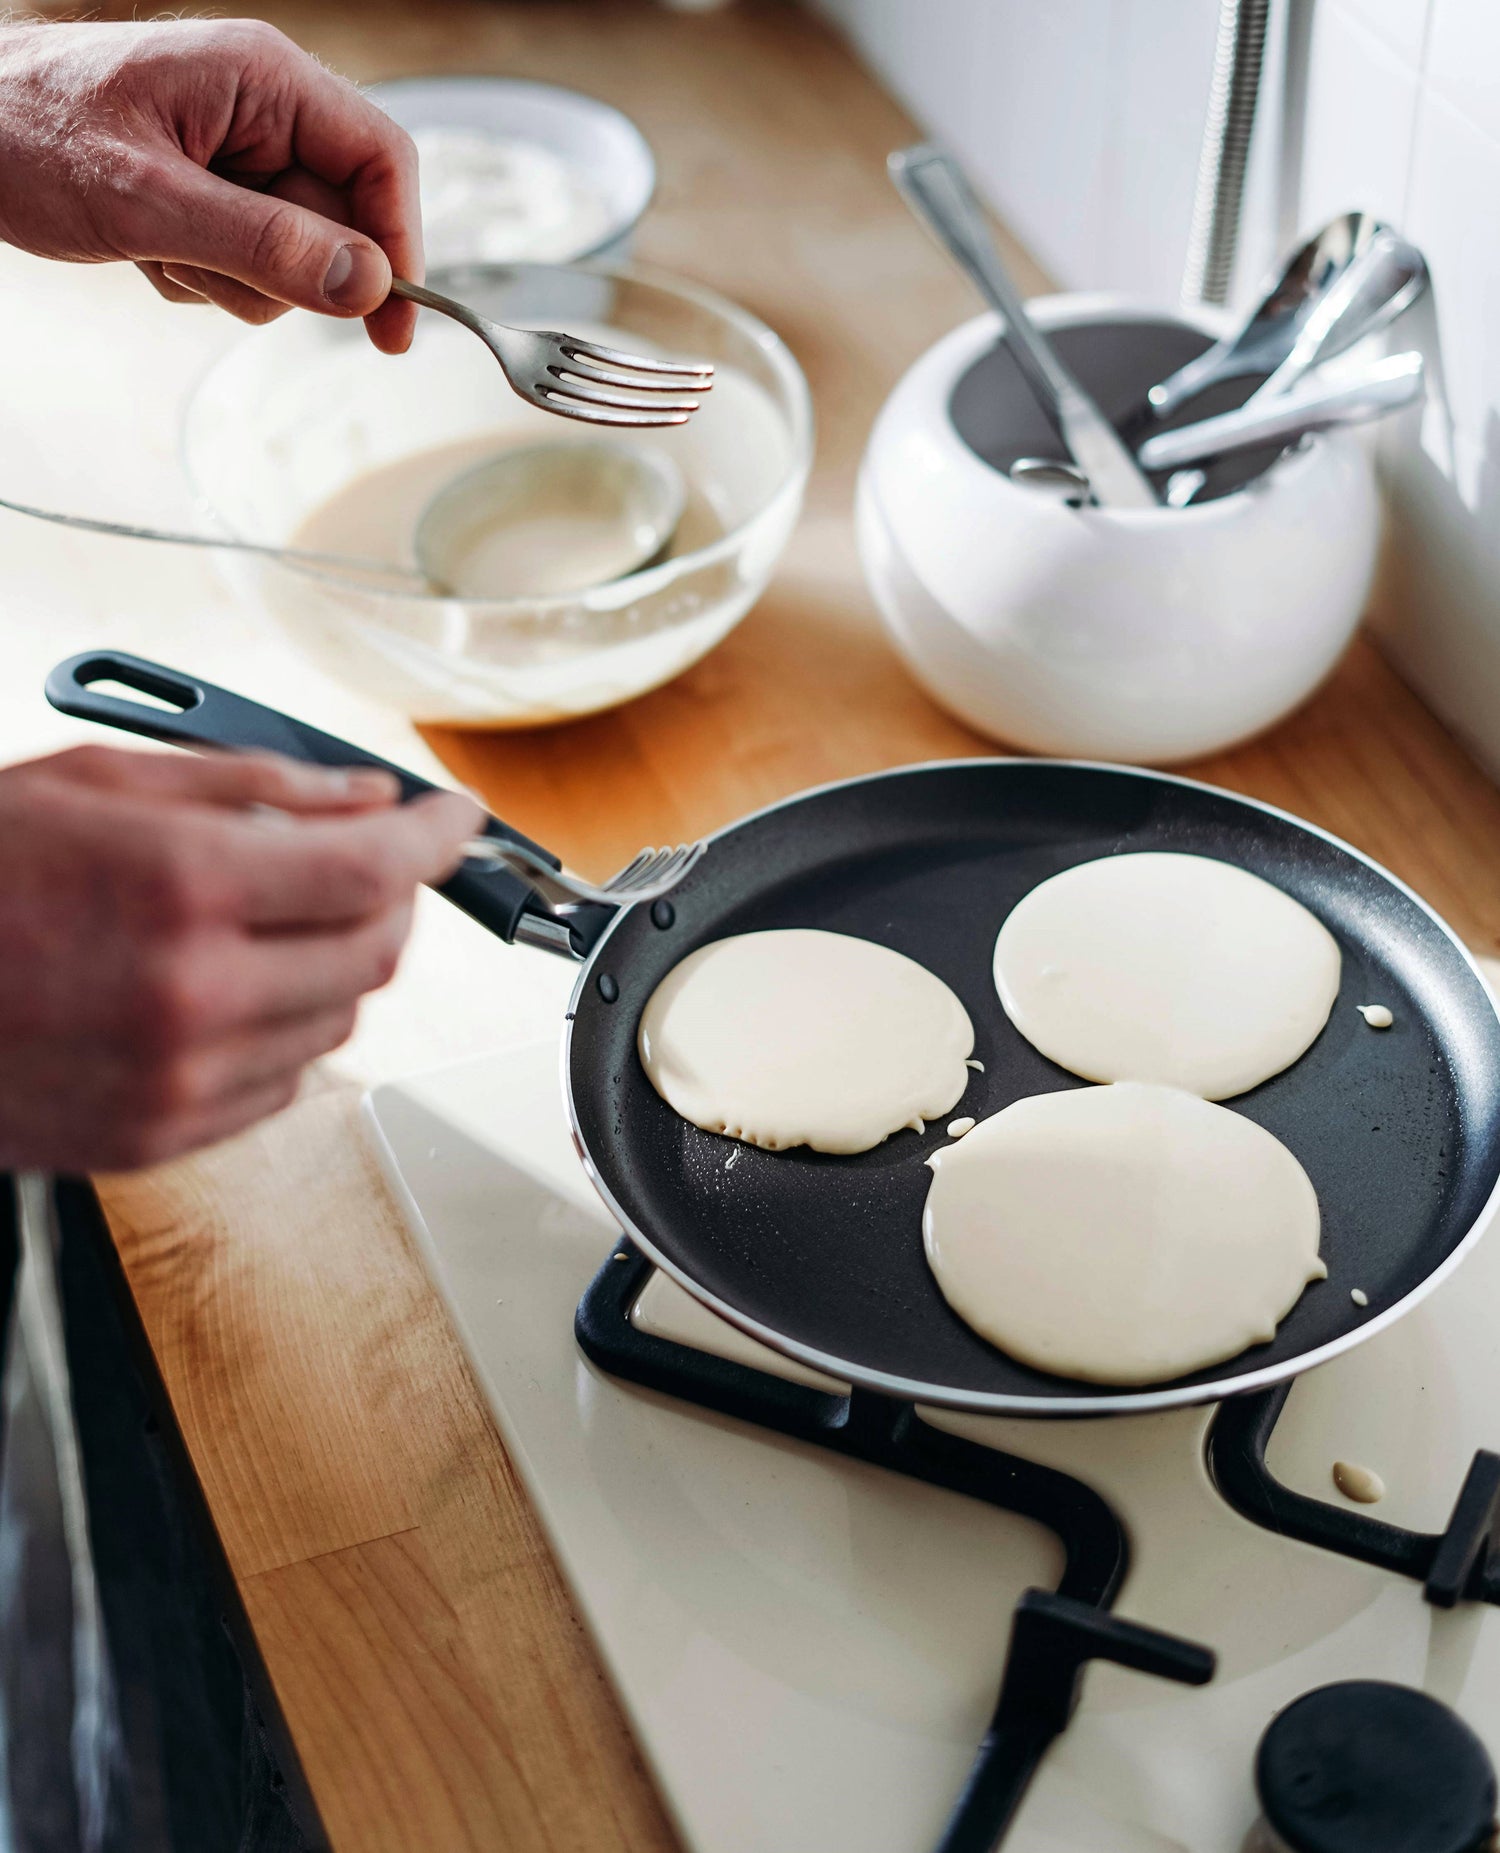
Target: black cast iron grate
<point>1054,1633</point>
<point>1461,1563</point>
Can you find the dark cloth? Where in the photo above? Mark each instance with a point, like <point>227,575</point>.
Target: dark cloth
<point>199,1753</point>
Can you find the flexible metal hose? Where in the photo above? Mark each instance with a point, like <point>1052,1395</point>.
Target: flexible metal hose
<point>1238,56</point>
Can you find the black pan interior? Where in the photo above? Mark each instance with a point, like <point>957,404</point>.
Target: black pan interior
<point>1399,1131</point>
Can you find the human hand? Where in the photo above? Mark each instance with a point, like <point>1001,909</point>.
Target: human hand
<point>171,959</point>
<point>226,162</point>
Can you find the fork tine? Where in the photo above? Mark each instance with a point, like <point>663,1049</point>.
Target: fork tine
<point>646,876</point>
<point>653,872</point>
<point>671,862</point>
<point>632,869</point>
<point>649,395</point>
<point>613,376</point>
<point>671,866</point>
<point>649,874</point>
<point>551,401</point>
<point>653,399</point>
<point>693,371</point>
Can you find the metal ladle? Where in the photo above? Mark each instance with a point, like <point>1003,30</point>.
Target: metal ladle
<point>644,487</point>
<point>172,537</point>
<point>593,512</point>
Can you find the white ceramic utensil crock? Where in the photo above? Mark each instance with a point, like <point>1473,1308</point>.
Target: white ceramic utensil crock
<point>1149,635</point>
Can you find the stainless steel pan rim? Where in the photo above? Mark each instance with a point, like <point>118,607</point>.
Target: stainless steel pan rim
<point>994,1403</point>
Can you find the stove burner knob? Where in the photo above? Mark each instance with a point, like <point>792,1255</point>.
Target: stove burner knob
<point>1366,1767</point>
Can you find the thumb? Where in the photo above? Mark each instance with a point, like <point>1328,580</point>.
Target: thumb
<point>273,245</point>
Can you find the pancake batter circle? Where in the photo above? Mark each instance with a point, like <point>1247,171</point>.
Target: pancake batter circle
<point>797,1036</point>
<point>1176,969</point>
<point>1127,1234</point>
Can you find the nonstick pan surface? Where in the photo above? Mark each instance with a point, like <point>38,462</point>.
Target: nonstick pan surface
<point>822,1255</point>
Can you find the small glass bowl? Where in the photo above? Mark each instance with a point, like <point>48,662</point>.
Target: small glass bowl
<point>298,410</point>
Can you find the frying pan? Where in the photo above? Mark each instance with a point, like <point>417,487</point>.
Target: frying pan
<point>820,1256</point>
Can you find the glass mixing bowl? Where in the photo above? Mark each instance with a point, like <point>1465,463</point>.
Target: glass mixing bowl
<point>297,412</point>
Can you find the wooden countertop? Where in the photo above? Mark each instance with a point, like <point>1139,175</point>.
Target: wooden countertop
<point>430,1664</point>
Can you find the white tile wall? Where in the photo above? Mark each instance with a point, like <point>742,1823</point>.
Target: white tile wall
<point>1400,24</point>
<point>1463,57</point>
<point>1073,117</point>
<point>1439,607</point>
<point>1453,212</point>
<point>1361,117</point>
<point>1082,122</point>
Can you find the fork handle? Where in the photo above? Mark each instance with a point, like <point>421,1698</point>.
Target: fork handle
<point>201,715</point>
<point>445,305</point>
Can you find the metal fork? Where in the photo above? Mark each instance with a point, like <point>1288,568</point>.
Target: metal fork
<point>577,378</point>
<point>647,877</point>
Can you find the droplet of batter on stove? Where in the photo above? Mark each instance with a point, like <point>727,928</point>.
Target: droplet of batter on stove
<point>609,987</point>
<point>1369,1767</point>
<point>1361,1484</point>
<point>663,914</point>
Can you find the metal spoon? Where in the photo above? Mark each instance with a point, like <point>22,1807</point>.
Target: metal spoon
<point>935,189</point>
<point>1270,332</point>
<point>1387,276</point>
<point>1063,482</point>
<point>1316,405</point>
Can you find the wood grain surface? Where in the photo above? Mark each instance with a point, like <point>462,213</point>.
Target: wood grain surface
<point>431,1667</point>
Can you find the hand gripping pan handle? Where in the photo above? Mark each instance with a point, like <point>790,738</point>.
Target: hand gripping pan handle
<point>200,715</point>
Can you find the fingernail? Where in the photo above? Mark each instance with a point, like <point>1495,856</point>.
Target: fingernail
<point>359,782</point>
<point>358,278</point>
<point>370,782</point>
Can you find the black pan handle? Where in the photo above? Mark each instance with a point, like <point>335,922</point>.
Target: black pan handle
<point>200,715</point>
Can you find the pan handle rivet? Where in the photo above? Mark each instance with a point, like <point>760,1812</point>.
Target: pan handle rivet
<point>609,988</point>
<point>663,913</point>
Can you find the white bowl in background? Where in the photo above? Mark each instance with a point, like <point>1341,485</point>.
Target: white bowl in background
<point>601,142</point>
<point>1140,635</point>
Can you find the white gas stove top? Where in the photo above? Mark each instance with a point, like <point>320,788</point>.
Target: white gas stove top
<point>809,1648</point>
